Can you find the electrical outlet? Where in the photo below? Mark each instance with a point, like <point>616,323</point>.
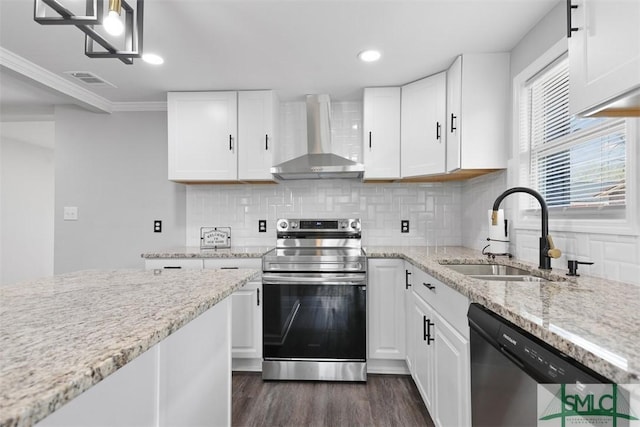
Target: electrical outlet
<point>404,226</point>
<point>70,213</point>
<point>157,226</point>
<point>262,226</point>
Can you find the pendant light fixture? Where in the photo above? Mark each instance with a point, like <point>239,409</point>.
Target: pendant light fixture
<point>114,24</point>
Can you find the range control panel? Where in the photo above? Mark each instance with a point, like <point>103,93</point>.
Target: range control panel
<point>347,225</point>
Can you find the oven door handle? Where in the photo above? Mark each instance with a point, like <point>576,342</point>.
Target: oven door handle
<point>342,279</point>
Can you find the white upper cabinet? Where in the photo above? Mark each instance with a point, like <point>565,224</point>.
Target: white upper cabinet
<point>381,133</point>
<point>604,54</point>
<point>221,136</point>
<point>477,112</point>
<point>256,138</point>
<point>202,130</point>
<point>422,127</point>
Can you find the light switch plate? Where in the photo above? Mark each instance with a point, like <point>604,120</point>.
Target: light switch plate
<point>70,213</point>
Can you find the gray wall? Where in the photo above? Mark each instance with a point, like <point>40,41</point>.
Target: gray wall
<point>545,34</point>
<point>26,200</point>
<point>114,169</point>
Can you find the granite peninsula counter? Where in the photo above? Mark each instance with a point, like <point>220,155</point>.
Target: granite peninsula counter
<point>61,335</point>
<point>595,321</point>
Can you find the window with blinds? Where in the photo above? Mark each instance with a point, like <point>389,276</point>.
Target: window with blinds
<point>576,164</point>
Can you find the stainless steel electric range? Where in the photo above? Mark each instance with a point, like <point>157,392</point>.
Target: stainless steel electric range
<point>315,298</point>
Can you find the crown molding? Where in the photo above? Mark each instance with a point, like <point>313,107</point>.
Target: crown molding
<point>139,106</point>
<point>52,82</point>
<point>76,94</point>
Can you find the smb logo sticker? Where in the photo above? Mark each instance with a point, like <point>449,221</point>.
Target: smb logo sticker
<point>599,405</point>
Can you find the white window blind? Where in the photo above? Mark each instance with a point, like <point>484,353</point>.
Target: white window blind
<point>576,164</point>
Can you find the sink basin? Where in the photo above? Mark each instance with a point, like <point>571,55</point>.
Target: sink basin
<point>525,278</point>
<point>495,272</point>
<point>488,270</point>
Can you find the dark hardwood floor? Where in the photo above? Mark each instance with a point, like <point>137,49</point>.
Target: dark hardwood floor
<point>385,400</point>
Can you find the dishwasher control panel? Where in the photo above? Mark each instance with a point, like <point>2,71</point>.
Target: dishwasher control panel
<point>541,361</point>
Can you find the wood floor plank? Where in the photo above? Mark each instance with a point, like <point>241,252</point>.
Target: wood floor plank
<point>384,400</point>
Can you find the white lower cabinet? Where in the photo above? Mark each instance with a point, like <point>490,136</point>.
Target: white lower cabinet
<point>422,351</point>
<point>246,342</point>
<point>441,368</point>
<point>386,305</point>
<point>452,383</point>
<point>246,339</point>
<point>440,350</point>
<point>173,264</point>
<point>184,380</point>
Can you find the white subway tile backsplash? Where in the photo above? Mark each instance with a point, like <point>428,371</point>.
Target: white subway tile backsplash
<point>380,206</point>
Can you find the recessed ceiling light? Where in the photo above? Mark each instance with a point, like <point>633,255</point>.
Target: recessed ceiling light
<point>152,58</point>
<point>369,55</point>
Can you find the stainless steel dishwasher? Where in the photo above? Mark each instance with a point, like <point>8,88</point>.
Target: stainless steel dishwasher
<point>507,364</point>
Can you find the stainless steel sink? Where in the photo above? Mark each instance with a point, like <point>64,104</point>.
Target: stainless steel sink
<point>495,272</point>
<point>487,270</point>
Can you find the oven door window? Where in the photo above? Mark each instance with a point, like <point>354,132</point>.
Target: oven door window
<point>314,322</point>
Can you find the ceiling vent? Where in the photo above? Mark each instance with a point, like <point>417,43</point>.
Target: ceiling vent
<point>89,78</point>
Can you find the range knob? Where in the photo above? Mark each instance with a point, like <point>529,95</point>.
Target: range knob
<point>294,224</point>
<point>344,224</point>
<point>283,225</point>
<point>354,224</point>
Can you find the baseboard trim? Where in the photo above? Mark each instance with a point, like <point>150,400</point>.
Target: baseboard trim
<point>394,367</point>
<point>246,365</point>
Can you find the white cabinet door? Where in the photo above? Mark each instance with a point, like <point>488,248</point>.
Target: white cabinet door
<point>422,319</point>
<point>422,127</point>
<point>408,310</point>
<point>452,376</point>
<point>386,309</point>
<point>256,137</point>
<point>246,340</point>
<point>202,132</point>
<point>604,52</point>
<point>381,126</point>
<point>477,104</point>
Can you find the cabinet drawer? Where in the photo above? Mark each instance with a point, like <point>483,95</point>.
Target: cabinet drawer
<point>173,263</point>
<point>427,287</point>
<point>449,303</point>
<point>255,263</point>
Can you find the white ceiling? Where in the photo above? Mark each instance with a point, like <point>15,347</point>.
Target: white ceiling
<point>293,46</point>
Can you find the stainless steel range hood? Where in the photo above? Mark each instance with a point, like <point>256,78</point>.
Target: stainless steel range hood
<point>319,162</point>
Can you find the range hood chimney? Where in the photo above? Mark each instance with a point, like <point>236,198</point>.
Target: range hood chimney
<point>319,162</point>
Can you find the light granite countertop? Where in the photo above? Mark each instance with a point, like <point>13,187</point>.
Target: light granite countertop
<point>595,321</point>
<point>61,335</point>
<point>196,252</point>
